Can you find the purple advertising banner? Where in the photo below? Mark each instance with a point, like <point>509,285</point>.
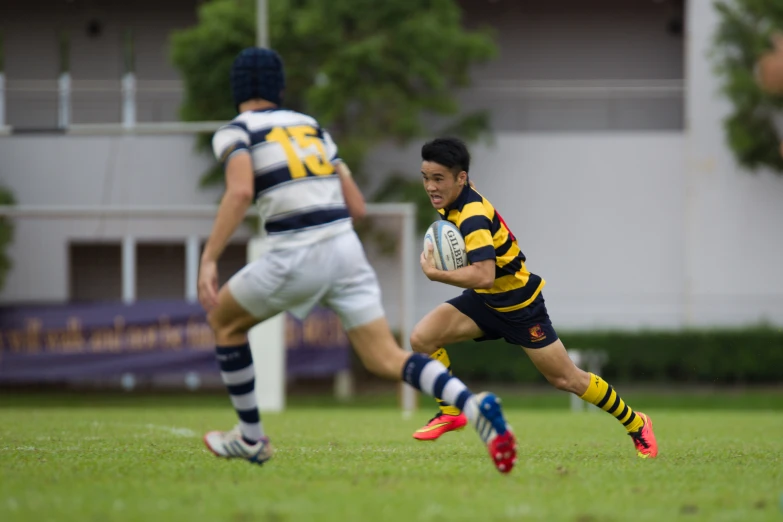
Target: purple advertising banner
<point>79,341</point>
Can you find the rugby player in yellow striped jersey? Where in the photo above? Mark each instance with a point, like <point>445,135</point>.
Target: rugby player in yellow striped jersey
<point>502,299</point>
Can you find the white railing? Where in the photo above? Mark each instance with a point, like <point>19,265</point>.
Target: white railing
<point>64,100</point>
<point>129,101</point>
<point>130,88</point>
<point>173,127</point>
<point>3,128</point>
<point>581,89</point>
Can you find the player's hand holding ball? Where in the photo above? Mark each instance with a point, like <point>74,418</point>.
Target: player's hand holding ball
<point>427,260</point>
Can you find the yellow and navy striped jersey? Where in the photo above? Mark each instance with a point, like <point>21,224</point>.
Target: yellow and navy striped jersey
<point>488,237</point>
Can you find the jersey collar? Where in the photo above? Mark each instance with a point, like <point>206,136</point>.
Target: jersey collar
<point>461,199</point>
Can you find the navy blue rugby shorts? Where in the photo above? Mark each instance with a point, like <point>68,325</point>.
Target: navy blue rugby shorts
<point>529,326</point>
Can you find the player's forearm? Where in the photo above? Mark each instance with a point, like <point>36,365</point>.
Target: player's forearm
<point>230,215</point>
<point>354,199</point>
<point>471,276</point>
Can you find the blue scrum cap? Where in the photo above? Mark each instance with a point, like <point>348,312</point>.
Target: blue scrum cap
<point>257,73</point>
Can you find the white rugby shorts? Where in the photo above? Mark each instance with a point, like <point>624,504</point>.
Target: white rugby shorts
<point>333,272</point>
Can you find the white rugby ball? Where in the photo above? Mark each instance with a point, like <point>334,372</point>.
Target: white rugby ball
<point>448,245</point>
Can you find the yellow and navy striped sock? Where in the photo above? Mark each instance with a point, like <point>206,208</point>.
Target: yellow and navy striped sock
<point>601,393</point>
<point>441,355</point>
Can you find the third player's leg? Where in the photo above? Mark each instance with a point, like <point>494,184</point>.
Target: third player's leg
<point>443,325</point>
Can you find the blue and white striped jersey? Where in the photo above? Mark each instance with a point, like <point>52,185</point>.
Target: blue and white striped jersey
<point>298,192</point>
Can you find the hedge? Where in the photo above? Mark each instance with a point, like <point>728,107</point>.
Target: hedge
<point>737,356</point>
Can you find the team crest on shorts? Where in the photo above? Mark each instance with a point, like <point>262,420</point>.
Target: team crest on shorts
<point>536,333</point>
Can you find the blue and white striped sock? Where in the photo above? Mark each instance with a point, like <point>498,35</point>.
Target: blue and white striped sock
<point>236,369</point>
<point>432,378</point>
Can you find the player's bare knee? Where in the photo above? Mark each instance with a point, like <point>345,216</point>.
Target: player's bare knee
<point>215,319</point>
<point>559,381</point>
<point>421,344</point>
<point>569,382</point>
<point>228,328</point>
<point>417,342</point>
<point>564,381</point>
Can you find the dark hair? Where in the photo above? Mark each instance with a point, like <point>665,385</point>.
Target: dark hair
<point>449,152</point>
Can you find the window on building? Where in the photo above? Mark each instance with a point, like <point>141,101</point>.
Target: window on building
<point>160,270</point>
<point>95,271</point>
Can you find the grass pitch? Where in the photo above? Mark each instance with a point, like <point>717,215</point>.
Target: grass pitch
<point>143,460</point>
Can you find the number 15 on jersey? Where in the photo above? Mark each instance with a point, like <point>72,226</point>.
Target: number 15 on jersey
<point>306,138</point>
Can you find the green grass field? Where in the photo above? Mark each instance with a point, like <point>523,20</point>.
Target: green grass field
<point>141,458</point>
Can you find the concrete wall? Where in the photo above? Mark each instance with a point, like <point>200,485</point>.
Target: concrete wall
<point>90,171</point>
<point>606,44</point>
<point>576,40</point>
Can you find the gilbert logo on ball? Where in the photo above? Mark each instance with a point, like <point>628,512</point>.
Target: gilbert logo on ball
<point>448,245</point>
<point>457,249</point>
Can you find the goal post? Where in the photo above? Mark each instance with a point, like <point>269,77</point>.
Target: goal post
<point>407,255</point>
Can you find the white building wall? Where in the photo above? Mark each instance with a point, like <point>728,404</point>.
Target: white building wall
<point>734,219</point>
<point>94,171</point>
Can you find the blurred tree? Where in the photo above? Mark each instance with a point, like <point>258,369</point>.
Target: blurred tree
<point>367,70</point>
<point>6,235</point>
<point>744,38</point>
